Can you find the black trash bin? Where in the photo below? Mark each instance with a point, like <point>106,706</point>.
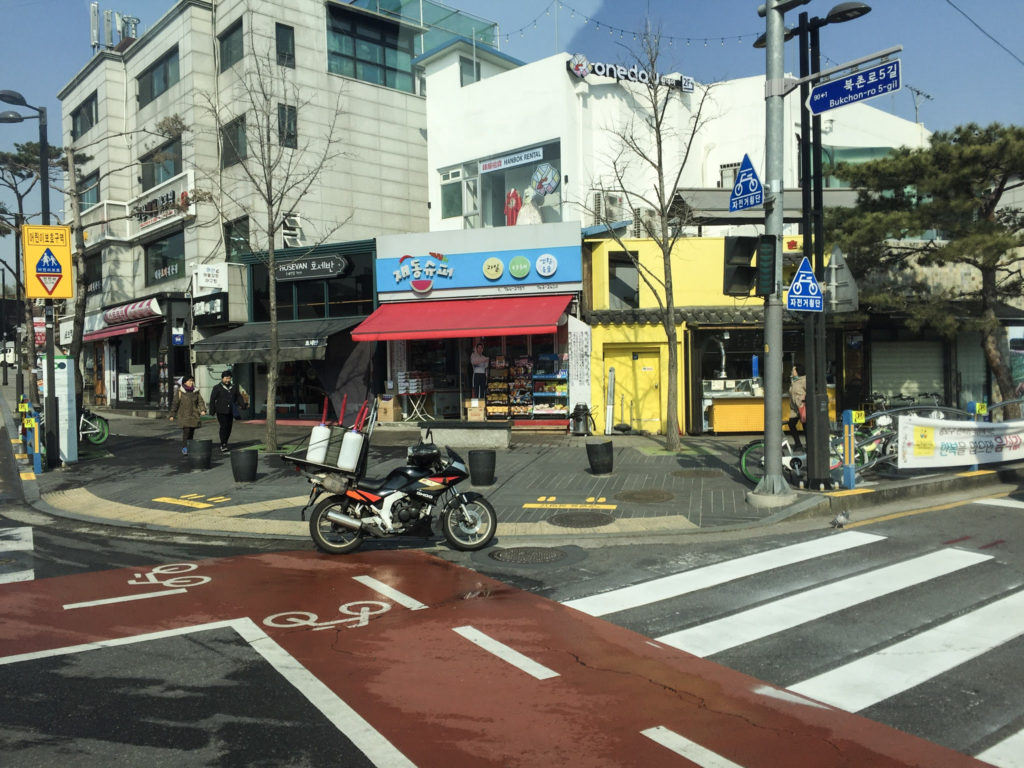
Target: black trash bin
<point>600,457</point>
<point>481,467</point>
<point>199,453</point>
<point>243,465</point>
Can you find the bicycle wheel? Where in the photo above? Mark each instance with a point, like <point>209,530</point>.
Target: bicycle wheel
<point>98,429</point>
<point>752,461</point>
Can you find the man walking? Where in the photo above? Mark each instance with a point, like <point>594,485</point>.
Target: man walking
<point>224,399</point>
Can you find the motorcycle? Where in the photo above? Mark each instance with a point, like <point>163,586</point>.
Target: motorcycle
<point>347,507</point>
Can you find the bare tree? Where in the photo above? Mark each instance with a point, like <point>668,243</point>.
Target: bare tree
<point>649,154</point>
<point>268,167</point>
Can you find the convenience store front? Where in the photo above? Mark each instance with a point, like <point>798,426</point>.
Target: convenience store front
<point>511,289</point>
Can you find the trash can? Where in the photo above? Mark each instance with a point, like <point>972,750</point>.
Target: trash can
<point>199,453</point>
<point>581,419</point>
<point>243,465</point>
<point>481,467</point>
<point>600,457</point>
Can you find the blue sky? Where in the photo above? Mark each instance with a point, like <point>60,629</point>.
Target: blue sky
<point>955,51</point>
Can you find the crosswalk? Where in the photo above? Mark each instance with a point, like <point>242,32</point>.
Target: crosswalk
<point>860,622</point>
<point>13,543</point>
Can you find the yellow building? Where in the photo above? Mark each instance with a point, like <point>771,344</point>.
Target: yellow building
<point>720,337</point>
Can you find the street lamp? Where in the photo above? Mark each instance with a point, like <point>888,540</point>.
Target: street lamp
<point>15,98</point>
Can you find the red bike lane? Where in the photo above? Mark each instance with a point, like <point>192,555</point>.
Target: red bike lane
<point>421,662</point>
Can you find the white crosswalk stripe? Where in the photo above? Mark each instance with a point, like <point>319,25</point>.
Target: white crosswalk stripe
<point>928,643</point>
<point>15,540</point>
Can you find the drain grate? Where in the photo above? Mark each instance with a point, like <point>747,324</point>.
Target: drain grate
<point>644,496</point>
<point>581,519</point>
<point>706,472</point>
<point>527,555</point>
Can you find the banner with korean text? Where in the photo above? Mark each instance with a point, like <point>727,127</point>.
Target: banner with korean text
<point>937,443</point>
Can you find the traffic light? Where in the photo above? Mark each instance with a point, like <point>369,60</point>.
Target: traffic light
<point>738,277</point>
<point>764,284</point>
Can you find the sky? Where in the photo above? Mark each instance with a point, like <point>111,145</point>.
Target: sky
<point>964,58</point>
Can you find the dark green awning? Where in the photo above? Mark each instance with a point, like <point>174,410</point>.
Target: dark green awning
<point>250,343</point>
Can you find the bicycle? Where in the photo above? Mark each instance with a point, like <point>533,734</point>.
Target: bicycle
<point>91,426</point>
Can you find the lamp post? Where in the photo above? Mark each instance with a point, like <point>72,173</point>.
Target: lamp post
<point>811,188</point>
<point>15,98</point>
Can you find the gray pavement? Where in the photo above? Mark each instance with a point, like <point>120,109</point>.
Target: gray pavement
<point>542,486</point>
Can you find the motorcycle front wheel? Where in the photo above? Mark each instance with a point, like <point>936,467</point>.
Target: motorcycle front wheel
<point>331,537</point>
<point>470,524</point>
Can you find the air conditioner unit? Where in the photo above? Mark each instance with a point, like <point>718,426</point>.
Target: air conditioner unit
<point>291,232</point>
<point>607,207</point>
<point>643,222</point>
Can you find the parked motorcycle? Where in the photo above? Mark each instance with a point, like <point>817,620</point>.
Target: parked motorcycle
<point>347,507</point>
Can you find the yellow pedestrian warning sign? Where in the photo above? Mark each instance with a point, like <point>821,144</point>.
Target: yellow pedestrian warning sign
<point>48,273</point>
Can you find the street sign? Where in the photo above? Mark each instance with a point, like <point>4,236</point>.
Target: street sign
<point>804,292</point>
<point>857,86</point>
<point>47,252</point>
<point>747,191</point>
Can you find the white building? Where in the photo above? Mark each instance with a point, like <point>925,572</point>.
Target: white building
<point>172,217</point>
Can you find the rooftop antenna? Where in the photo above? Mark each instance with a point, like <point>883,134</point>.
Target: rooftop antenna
<point>108,29</point>
<point>918,95</point>
<point>94,26</point>
<point>129,26</point>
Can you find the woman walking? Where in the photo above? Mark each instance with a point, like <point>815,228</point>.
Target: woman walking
<point>188,407</point>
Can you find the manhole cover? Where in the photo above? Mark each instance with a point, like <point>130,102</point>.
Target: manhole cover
<point>581,519</point>
<point>698,473</point>
<point>644,496</point>
<point>527,555</point>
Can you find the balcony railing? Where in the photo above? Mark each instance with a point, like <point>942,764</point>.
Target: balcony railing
<point>107,220</point>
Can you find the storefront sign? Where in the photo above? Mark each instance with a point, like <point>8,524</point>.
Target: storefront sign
<point>211,277</point>
<point>164,203</point>
<point>313,267</point>
<point>935,443</point>
<point>211,309</point>
<point>135,311</point>
<point>509,161</point>
<point>580,66</point>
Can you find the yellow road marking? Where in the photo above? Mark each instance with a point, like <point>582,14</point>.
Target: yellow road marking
<point>21,456</point>
<point>591,499</point>
<point>850,492</point>
<point>545,498</point>
<point>570,506</point>
<point>975,473</point>
<point>184,502</point>
<point>938,508</point>
<point>192,495</point>
<point>28,475</point>
<point>15,440</point>
<point>220,498</point>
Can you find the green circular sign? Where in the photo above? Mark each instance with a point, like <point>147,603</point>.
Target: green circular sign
<point>519,267</point>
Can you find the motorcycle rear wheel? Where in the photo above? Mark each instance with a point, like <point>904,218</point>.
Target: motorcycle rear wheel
<point>331,537</point>
<point>471,525</point>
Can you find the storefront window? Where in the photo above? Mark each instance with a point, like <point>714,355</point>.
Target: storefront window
<point>345,296</point>
<point>439,358</point>
<point>521,186</point>
<point>165,259</point>
<point>309,299</point>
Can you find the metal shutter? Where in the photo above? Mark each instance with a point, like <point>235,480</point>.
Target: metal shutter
<point>907,367</point>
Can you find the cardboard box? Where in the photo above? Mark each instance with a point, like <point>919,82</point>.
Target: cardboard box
<point>473,402</point>
<point>387,410</point>
<point>476,413</point>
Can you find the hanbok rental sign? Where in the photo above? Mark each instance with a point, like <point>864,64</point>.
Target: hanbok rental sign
<point>936,443</point>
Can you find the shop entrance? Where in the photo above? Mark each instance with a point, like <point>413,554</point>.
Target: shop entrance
<point>637,388</point>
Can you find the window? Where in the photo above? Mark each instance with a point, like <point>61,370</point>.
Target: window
<point>88,191</point>
<point>451,194</point>
<point>93,273</point>
<point>623,281</point>
<point>727,175</point>
<point>347,295</point>
<point>84,117</point>
<point>165,259</point>
<point>161,165</point>
<point>371,50</point>
<point>287,126</point>
<point>469,71</point>
<point>158,78</point>
<point>236,238</point>
<point>285,36</point>
<point>231,46</point>
<point>232,140</point>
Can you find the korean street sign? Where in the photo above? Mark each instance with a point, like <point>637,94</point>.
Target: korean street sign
<point>856,86</point>
<point>804,292</point>
<point>47,251</point>
<point>747,191</point>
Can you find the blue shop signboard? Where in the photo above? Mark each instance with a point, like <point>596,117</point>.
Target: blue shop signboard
<point>501,261</point>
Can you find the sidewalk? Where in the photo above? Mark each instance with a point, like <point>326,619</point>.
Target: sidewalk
<point>543,485</point>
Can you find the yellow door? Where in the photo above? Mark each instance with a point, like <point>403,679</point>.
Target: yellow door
<point>637,389</point>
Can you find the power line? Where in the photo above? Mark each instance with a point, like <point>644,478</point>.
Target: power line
<point>986,34</point>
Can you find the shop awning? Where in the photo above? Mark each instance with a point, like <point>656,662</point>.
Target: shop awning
<point>116,330</point>
<point>462,318</point>
<point>250,343</point>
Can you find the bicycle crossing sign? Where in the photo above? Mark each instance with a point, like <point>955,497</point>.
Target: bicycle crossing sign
<point>747,192</point>
<point>804,292</point>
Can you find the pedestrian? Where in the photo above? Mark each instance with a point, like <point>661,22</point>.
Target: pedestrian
<point>225,400</point>
<point>479,362</point>
<point>797,395</point>
<point>187,407</point>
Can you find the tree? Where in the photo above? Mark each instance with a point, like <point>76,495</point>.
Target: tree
<point>921,211</point>
<point>267,166</point>
<point>645,166</point>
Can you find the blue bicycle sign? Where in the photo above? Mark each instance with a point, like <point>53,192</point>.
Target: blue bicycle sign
<point>804,292</point>
<point>747,191</point>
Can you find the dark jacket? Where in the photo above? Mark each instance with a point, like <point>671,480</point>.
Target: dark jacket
<point>222,399</point>
<point>187,407</point>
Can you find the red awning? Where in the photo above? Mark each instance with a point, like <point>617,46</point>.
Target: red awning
<point>462,318</point>
<point>116,330</point>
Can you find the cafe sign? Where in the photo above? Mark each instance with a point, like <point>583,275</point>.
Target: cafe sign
<point>580,66</point>
<point>313,267</point>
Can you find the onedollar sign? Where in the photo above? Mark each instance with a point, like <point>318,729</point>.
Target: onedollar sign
<point>580,66</point>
